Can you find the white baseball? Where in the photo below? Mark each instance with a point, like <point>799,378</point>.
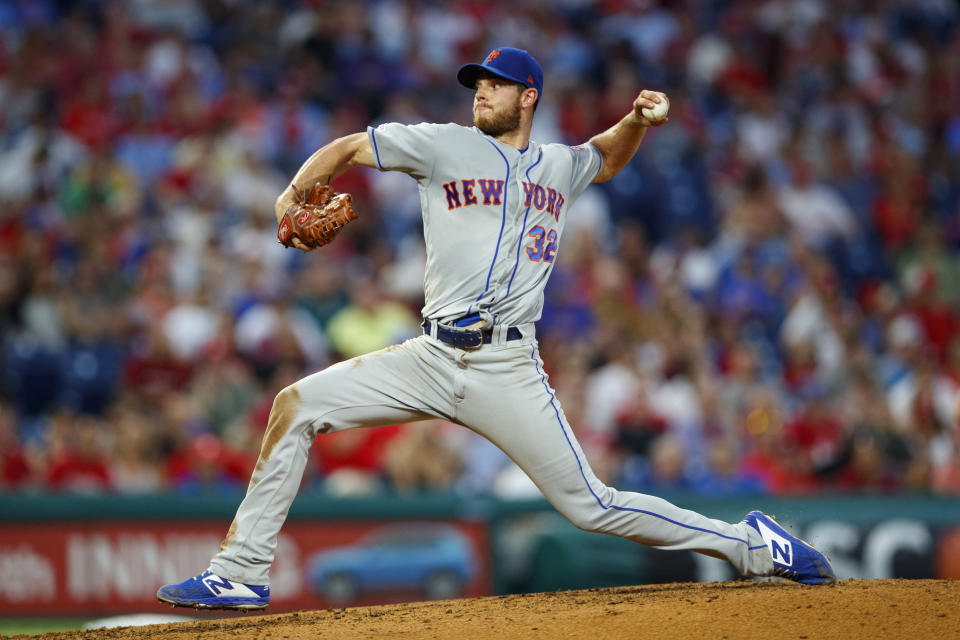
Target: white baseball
<point>659,111</point>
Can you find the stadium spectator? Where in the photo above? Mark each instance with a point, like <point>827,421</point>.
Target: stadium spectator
<point>79,459</point>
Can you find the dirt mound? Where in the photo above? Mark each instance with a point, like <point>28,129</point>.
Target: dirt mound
<point>871,609</point>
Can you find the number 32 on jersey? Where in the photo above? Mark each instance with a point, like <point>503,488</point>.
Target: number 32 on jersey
<point>544,246</point>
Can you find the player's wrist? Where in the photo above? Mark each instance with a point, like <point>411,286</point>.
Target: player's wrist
<point>636,120</point>
<point>286,198</point>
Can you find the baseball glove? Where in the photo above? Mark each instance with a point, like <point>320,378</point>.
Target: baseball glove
<point>316,217</point>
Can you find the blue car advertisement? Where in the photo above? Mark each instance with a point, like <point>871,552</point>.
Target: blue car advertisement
<point>431,560</point>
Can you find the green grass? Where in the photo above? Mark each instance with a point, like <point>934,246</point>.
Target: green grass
<point>37,626</point>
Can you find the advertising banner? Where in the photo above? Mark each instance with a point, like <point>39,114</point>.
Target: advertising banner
<point>116,566</point>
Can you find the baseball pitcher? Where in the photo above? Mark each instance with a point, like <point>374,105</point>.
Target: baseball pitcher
<point>494,207</point>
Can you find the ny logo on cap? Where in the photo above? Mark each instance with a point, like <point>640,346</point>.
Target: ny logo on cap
<point>493,55</point>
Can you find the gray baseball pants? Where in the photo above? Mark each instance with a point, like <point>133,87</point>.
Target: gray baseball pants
<point>501,392</point>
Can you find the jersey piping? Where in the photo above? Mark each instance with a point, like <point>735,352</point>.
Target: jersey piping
<point>376,152</point>
<point>600,156</point>
<point>503,222</point>
<point>516,262</point>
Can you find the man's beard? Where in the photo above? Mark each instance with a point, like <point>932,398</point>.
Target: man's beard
<point>496,124</point>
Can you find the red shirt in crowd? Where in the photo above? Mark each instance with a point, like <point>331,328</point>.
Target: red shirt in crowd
<point>73,473</point>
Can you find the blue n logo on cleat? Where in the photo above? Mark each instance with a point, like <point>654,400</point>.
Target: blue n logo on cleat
<point>783,551</point>
<point>212,583</point>
<point>781,547</point>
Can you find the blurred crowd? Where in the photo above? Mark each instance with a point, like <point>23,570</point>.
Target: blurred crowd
<point>764,301</point>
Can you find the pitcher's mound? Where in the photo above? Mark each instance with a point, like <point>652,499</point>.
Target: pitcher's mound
<point>868,609</point>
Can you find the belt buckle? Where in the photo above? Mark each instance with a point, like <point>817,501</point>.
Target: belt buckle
<point>468,340</point>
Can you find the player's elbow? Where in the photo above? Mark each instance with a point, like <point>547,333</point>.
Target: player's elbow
<point>357,150</point>
<point>611,166</point>
<point>604,174</point>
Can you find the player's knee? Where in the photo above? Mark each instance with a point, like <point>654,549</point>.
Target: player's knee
<point>587,512</point>
<point>288,397</point>
<point>585,517</point>
<point>584,521</point>
<point>288,410</point>
<point>286,406</point>
<point>580,521</point>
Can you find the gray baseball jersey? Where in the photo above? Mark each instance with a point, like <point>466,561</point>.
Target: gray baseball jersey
<point>492,217</point>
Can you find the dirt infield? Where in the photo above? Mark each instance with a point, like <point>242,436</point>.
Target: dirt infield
<point>871,609</point>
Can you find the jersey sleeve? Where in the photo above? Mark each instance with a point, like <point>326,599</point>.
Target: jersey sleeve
<point>587,163</point>
<point>406,148</point>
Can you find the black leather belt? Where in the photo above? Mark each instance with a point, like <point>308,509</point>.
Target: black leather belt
<point>467,339</point>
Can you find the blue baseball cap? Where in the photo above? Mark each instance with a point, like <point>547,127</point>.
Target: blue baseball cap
<point>506,62</point>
